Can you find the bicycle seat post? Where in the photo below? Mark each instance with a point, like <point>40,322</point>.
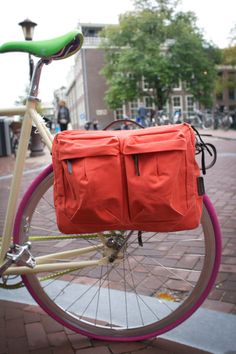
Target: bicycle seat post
<point>34,84</point>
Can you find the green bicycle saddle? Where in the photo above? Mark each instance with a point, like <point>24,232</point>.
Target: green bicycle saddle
<point>56,48</point>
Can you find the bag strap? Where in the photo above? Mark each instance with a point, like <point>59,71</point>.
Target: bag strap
<point>201,146</point>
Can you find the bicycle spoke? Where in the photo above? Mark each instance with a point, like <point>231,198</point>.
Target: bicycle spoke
<point>98,297</point>
<point>133,286</point>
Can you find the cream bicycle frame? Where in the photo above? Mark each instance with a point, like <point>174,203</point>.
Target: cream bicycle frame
<point>42,263</point>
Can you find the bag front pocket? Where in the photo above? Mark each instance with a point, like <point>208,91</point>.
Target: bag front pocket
<point>92,180</point>
<point>156,177</point>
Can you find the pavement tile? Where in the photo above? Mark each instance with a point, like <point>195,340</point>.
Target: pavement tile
<point>18,345</point>
<point>216,294</point>
<point>94,350</point>
<point>120,348</point>
<point>11,313</point>
<point>30,317</point>
<point>50,325</point>
<point>152,350</point>
<point>228,268</point>
<point>36,335</point>
<point>78,341</point>
<point>176,348</point>
<point>35,309</point>
<point>3,345</point>
<point>66,349</point>
<point>43,351</point>
<point>57,339</point>
<point>15,328</point>
<point>218,306</point>
<point>230,297</point>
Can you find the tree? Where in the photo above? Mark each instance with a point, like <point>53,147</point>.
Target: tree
<point>156,45</point>
<point>227,82</point>
<point>233,36</point>
<point>229,55</point>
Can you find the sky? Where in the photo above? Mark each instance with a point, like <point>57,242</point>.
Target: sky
<point>53,18</point>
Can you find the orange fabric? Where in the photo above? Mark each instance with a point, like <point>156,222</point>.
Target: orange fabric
<point>131,179</point>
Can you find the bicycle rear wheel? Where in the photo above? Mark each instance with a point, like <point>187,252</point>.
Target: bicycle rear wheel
<point>208,122</point>
<point>156,283</point>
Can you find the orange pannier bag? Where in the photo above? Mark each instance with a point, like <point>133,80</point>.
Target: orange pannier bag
<point>145,179</point>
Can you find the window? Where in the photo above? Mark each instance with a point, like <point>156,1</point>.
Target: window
<point>190,105</point>
<point>176,102</point>
<point>149,102</point>
<point>177,86</point>
<point>133,107</point>
<point>219,96</point>
<point>119,113</point>
<point>146,86</point>
<point>231,93</point>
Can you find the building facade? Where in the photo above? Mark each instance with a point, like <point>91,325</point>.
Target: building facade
<point>225,99</point>
<point>86,91</point>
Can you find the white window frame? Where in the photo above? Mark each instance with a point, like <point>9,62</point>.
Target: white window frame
<point>178,86</point>
<point>145,85</point>
<point>133,109</point>
<point>190,112</point>
<point>145,98</point>
<point>180,106</point>
<point>119,113</point>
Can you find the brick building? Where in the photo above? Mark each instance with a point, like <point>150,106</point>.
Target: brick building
<point>87,88</point>
<point>226,97</point>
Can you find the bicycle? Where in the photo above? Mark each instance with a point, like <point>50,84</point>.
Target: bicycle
<point>222,121</point>
<point>201,120</point>
<point>119,285</point>
<point>15,128</point>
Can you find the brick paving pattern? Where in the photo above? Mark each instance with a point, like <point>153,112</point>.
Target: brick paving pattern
<point>28,328</point>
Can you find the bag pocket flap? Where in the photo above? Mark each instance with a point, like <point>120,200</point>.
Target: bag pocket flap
<point>87,147</point>
<point>154,143</point>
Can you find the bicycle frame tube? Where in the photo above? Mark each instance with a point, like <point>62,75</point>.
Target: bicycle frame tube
<point>12,111</point>
<point>54,267</point>
<point>31,116</point>
<point>43,266</point>
<point>15,184</point>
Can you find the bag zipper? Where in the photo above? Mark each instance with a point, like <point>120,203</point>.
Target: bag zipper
<point>136,164</point>
<point>69,166</point>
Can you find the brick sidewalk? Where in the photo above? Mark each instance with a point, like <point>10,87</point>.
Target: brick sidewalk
<point>221,187</point>
<point>28,328</point>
